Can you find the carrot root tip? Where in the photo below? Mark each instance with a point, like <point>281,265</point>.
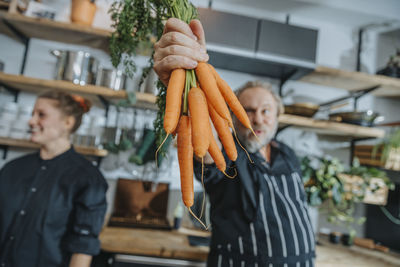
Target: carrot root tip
<point>229,176</point>
<point>197,218</point>
<point>247,153</point>
<point>204,190</point>
<point>158,149</point>
<point>258,140</point>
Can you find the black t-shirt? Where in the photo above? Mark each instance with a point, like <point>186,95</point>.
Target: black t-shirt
<point>50,209</point>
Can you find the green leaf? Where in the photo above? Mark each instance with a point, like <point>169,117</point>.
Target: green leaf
<point>132,98</point>
<point>315,200</point>
<point>125,144</point>
<point>111,147</point>
<point>336,194</point>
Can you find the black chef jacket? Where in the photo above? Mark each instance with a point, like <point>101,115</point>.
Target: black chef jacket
<point>259,218</point>
<point>50,209</point>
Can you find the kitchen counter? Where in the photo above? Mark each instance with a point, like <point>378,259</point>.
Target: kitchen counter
<point>337,255</point>
<point>175,245</point>
<point>151,242</point>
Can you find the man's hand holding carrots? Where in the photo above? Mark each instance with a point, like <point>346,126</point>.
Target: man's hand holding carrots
<point>181,46</point>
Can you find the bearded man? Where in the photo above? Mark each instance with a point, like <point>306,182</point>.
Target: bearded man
<point>260,218</point>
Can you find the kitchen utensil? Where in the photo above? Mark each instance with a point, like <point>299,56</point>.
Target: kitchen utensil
<point>149,84</point>
<point>83,11</point>
<point>140,204</point>
<point>392,68</point>
<point>334,237</point>
<point>363,118</point>
<point>111,78</point>
<point>78,67</point>
<point>347,239</point>
<point>364,242</point>
<point>302,109</point>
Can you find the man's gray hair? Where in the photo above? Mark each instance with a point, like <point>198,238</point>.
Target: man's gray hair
<point>268,87</point>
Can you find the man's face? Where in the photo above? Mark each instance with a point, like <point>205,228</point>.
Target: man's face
<point>261,108</point>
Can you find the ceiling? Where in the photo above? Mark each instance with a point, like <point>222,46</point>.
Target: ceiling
<point>342,12</point>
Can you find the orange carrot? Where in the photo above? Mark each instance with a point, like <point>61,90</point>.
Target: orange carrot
<point>225,135</point>
<point>173,104</point>
<point>216,154</point>
<point>185,158</point>
<point>231,99</point>
<point>209,85</point>
<point>200,121</point>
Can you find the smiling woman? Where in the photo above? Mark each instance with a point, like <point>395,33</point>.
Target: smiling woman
<point>55,116</point>
<point>52,203</point>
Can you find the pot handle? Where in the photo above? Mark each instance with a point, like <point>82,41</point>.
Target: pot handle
<point>98,71</point>
<point>379,119</point>
<point>55,52</point>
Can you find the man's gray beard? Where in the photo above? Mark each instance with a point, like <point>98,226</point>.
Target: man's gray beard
<point>254,146</point>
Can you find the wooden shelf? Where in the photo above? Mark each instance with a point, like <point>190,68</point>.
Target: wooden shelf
<point>88,151</point>
<point>4,5</point>
<point>330,128</point>
<point>57,31</point>
<point>353,81</point>
<point>24,83</point>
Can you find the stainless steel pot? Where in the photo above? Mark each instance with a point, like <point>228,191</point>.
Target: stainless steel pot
<point>78,67</point>
<point>149,84</point>
<point>364,118</point>
<point>111,78</point>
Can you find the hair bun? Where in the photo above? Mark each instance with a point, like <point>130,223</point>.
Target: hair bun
<point>83,103</point>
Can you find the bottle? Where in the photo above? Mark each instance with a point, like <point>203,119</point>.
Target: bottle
<point>178,213</point>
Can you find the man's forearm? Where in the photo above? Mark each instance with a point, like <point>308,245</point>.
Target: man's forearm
<point>80,260</point>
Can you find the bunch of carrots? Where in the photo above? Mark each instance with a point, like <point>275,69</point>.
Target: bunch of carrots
<point>192,96</point>
<point>189,107</point>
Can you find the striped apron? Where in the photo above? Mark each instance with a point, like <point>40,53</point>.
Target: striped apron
<point>261,219</point>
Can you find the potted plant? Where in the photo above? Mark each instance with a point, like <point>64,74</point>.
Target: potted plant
<point>326,182</point>
<point>390,151</point>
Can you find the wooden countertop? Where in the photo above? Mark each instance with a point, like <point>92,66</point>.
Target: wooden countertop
<point>337,255</point>
<point>151,242</point>
<point>174,244</point>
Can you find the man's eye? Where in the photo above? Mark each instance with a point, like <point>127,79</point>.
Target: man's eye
<point>266,111</point>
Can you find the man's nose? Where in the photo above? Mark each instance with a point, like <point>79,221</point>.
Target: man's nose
<point>258,118</point>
